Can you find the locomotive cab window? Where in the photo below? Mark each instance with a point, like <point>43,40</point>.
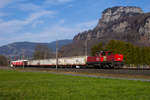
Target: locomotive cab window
<point>103,53</point>
<point>109,53</point>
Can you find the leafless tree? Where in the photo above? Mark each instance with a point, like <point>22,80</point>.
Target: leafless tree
<point>42,52</point>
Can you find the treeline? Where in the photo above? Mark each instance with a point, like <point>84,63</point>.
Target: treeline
<point>3,61</point>
<point>132,54</point>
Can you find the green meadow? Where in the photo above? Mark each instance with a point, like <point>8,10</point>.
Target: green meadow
<point>15,85</point>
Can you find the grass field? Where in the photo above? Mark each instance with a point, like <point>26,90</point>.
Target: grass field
<point>45,86</point>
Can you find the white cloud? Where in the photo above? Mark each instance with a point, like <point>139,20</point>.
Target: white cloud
<point>29,7</point>
<point>4,3</point>
<point>37,15</point>
<point>36,23</point>
<point>54,32</point>
<point>70,6</point>
<point>10,26</point>
<point>3,14</point>
<point>87,25</point>
<point>62,21</point>
<point>57,1</point>
<point>47,35</point>
<point>14,26</point>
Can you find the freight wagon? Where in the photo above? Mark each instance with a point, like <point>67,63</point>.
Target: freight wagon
<point>104,59</point>
<point>67,61</point>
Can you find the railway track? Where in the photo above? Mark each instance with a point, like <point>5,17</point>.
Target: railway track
<point>126,71</point>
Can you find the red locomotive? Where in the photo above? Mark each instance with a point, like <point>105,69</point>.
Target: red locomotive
<point>104,59</point>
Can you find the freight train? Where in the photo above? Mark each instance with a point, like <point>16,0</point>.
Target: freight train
<point>103,59</point>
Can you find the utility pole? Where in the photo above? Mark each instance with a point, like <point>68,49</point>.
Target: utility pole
<point>45,55</point>
<point>9,61</point>
<point>23,58</point>
<point>86,47</point>
<point>56,54</point>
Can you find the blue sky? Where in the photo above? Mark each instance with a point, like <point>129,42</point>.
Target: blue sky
<point>48,20</point>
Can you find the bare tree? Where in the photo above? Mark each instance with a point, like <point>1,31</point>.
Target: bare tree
<point>42,52</point>
<point>3,60</point>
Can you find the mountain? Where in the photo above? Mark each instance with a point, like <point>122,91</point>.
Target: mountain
<point>27,48</point>
<point>127,23</point>
<point>123,23</point>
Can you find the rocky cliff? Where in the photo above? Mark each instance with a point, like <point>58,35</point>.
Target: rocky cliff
<point>123,23</point>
